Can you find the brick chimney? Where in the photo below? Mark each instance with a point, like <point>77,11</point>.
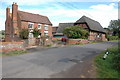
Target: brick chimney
<point>14,16</point>
<point>7,13</point>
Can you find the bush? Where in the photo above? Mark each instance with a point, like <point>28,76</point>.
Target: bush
<point>36,33</point>
<point>76,32</point>
<point>24,33</point>
<point>78,44</point>
<point>112,37</point>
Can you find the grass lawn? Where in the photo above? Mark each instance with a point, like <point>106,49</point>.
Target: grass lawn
<point>107,68</point>
<point>17,52</point>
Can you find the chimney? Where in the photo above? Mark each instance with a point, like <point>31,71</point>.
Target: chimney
<point>14,11</point>
<point>14,17</point>
<point>7,13</point>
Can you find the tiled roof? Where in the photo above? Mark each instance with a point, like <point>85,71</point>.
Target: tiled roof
<point>25,16</point>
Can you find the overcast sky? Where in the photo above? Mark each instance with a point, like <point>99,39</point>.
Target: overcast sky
<point>65,10</point>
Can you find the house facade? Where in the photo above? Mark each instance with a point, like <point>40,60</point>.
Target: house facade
<point>54,29</point>
<point>18,20</point>
<point>96,31</point>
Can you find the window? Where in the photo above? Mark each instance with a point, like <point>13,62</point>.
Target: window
<point>30,25</point>
<point>99,35</point>
<point>46,33</point>
<point>46,27</point>
<point>39,26</point>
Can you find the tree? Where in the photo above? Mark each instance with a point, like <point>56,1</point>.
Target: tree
<point>3,32</point>
<point>75,32</point>
<point>24,33</point>
<point>36,33</point>
<point>115,26</point>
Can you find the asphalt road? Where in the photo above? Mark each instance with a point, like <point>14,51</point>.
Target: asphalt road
<point>43,64</point>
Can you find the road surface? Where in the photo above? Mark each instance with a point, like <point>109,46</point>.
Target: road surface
<point>43,64</point>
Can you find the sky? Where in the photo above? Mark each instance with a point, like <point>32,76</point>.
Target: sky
<point>65,10</point>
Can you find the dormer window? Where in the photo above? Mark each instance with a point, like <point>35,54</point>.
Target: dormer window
<point>39,26</point>
<point>30,25</point>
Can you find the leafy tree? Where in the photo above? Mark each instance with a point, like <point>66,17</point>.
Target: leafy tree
<point>36,33</point>
<point>3,32</point>
<point>24,33</point>
<point>115,26</point>
<point>75,32</point>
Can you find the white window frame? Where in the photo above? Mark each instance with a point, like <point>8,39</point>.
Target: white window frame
<point>46,27</point>
<point>46,33</point>
<point>40,26</point>
<point>32,25</point>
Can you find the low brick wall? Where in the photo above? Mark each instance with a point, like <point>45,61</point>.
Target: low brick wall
<point>32,41</point>
<point>11,46</point>
<point>56,38</point>
<point>74,41</point>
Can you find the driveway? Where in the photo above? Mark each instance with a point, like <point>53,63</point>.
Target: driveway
<point>43,64</point>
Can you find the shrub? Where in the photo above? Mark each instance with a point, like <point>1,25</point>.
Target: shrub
<point>24,33</point>
<point>36,33</point>
<point>78,44</point>
<point>76,32</point>
<point>112,37</point>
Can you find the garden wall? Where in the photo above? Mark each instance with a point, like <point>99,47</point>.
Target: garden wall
<point>11,46</point>
<point>75,41</point>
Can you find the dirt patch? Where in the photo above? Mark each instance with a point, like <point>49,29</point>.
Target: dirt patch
<point>83,69</point>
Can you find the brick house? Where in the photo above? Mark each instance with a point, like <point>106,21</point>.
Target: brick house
<point>96,31</point>
<point>18,20</point>
<point>54,29</point>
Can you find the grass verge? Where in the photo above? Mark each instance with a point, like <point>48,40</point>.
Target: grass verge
<point>17,52</point>
<point>108,68</point>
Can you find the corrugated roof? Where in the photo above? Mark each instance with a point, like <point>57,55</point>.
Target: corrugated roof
<point>92,24</point>
<point>25,16</point>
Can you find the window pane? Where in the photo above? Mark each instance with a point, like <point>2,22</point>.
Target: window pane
<point>30,25</point>
<point>39,26</point>
<point>46,27</point>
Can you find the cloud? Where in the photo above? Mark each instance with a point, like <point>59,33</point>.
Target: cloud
<point>102,13</point>
<point>103,7</point>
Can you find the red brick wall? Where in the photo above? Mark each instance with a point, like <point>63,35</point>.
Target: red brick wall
<point>14,17</point>
<point>50,30</point>
<point>92,36</point>
<point>74,41</point>
<point>31,41</point>
<point>104,37</point>
<point>8,25</point>
<point>11,46</point>
<point>25,25</point>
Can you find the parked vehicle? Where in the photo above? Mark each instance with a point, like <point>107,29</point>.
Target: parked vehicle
<point>64,39</point>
